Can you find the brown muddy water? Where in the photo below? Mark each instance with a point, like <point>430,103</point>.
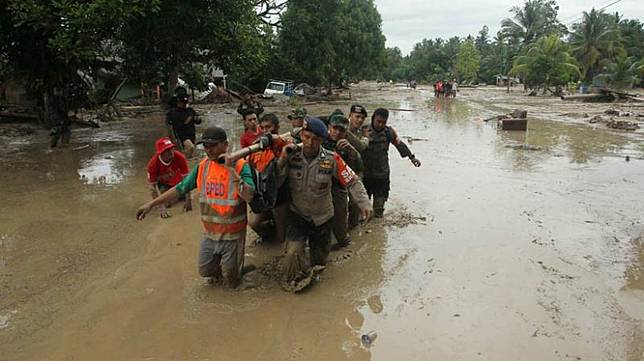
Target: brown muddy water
<point>492,250</point>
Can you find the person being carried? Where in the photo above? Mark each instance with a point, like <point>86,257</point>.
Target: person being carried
<point>166,169</point>
<point>260,161</point>
<point>251,130</point>
<point>337,142</point>
<point>376,159</point>
<point>181,122</point>
<point>310,170</point>
<point>224,186</point>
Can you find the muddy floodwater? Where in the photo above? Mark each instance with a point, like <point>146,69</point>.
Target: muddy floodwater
<point>502,246</point>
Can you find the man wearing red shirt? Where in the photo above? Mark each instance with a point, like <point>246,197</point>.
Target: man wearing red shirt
<point>252,131</point>
<point>165,170</point>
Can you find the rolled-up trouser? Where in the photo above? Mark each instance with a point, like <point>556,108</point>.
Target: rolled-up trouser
<point>298,232</point>
<point>220,258</point>
<point>340,213</point>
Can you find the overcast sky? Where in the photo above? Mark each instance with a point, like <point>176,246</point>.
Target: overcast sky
<point>407,22</point>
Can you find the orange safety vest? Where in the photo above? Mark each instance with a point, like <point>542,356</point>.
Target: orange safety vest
<point>223,212</point>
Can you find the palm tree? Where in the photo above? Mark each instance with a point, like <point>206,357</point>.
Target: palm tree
<point>622,73</point>
<point>547,62</point>
<point>536,19</point>
<point>595,39</point>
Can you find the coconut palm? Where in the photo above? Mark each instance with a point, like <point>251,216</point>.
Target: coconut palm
<point>536,19</point>
<point>622,73</point>
<point>547,62</point>
<point>594,40</point>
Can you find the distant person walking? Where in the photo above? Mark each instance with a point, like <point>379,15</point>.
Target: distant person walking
<point>181,122</point>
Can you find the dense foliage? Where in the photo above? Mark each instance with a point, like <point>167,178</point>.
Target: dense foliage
<point>54,45</point>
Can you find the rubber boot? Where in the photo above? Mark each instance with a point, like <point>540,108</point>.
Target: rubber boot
<point>379,206</point>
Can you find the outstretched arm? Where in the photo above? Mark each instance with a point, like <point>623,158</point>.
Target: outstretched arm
<point>402,148</point>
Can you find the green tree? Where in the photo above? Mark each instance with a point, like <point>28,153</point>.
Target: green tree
<point>393,62</point>
<point>328,41</point>
<point>482,41</point>
<point>632,35</point>
<point>535,19</point>
<point>622,73</point>
<point>306,40</point>
<point>594,41</point>
<point>46,44</point>
<point>361,45</point>
<point>168,39</point>
<point>467,62</point>
<point>547,62</point>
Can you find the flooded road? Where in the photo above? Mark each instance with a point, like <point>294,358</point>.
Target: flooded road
<point>502,246</point>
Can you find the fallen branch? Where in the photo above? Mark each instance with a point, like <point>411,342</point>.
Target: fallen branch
<point>403,110</point>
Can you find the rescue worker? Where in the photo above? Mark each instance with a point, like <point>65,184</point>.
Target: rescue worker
<point>223,191</point>
<point>251,130</point>
<point>165,170</point>
<point>270,126</point>
<point>337,142</point>
<point>250,103</point>
<point>354,135</point>
<point>376,159</point>
<point>181,125</point>
<point>310,170</point>
<point>297,117</point>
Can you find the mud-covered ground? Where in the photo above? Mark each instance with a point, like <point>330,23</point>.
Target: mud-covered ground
<point>502,246</point>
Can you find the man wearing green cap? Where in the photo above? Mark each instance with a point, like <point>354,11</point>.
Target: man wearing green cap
<point>310,171</point>
<point>224,186</point>
<point>297,117</point>
<point>338,125</point>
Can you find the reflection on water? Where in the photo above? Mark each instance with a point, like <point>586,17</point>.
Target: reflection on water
<point>107,168</point>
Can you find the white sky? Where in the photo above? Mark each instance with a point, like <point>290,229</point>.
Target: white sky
<point>407,22</point>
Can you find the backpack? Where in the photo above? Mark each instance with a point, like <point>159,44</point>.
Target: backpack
<point>266,187</point>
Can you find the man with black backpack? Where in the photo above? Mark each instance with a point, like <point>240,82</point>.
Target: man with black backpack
<point>271,198</point>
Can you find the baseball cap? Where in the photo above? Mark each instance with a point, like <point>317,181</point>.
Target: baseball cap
<point>356,108</point>
<point>339,120</point>
<point>213,135</point>
<point>315,126</point>
<point>163,144</point>
<point>299,112</point>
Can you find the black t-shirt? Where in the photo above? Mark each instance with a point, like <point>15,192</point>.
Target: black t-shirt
<point>176,118</point>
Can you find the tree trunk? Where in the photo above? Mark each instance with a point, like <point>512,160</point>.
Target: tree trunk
<point>173,79</point>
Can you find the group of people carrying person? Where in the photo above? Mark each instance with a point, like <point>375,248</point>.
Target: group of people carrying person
<point>320,179</point>
<point>445,89</point>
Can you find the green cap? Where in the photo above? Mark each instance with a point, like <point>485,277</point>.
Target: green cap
<point>339,120</point>
<point>298,112</point>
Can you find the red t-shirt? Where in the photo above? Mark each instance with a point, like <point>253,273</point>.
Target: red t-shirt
<point>171,173</point>
<point>249,137</point>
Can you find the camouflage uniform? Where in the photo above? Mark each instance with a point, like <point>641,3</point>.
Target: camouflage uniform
<point>340,194</point>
